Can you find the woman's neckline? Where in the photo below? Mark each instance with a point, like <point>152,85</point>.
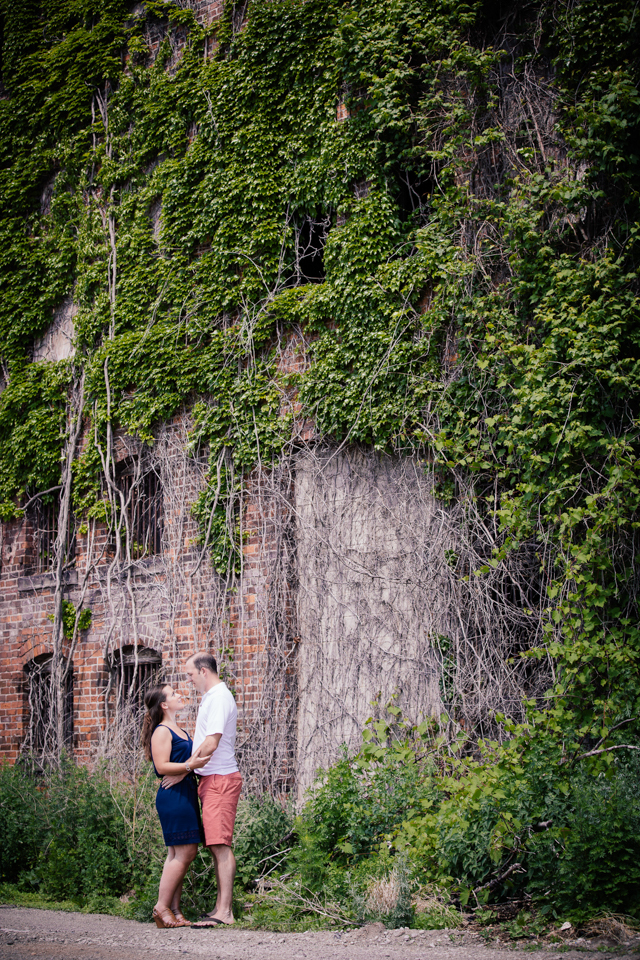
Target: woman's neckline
<point>187,737</point>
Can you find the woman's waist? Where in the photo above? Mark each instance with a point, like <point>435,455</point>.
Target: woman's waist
<point>188,785</point>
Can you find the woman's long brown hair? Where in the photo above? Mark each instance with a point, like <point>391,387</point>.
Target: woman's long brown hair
<point>153,702</point>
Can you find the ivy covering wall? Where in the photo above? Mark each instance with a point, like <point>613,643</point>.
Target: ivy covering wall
<point>460,251</point>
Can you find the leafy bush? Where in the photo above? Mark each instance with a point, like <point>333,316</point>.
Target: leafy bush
<point>595,863</point>
<point>87,850</point>
<point>513,819</point>
<point>63,834</point>
<point>361,799</point>
<point>22,832</point>
<point>262,836</point>
<point>66,834</point>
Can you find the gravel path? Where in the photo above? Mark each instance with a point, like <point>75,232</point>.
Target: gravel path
<point>48,935</point>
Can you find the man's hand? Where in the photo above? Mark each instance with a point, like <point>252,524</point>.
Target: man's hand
<point>171,780</point>
<point>194,762</point>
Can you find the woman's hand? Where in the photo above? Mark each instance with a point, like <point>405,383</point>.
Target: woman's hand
<point>196,762</point>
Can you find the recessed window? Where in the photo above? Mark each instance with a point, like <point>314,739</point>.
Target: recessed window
<point>145,517</point>
<point>134,672</point>
<point>42,736</point>
<point>310,238</point>
<point>44,517</point>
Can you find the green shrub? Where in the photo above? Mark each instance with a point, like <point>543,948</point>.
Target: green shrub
<point>22,831</point>
<point>594,865</point>
<point>262,837</point>
<point>66,833</point>
<point>573,827</point>
<point>87,850</point>
<point>360,800</point>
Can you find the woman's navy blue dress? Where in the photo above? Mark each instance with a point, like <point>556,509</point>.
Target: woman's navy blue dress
<point>178,806</point>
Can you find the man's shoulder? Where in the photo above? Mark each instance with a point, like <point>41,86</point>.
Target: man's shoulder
<point>216,695</point>
<point>224,694</point>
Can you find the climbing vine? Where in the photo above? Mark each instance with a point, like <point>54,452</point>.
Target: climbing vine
<point>441,198</point>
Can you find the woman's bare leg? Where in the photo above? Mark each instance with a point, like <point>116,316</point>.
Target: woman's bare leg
<point>177,896</point>
<point>179,858</point>
<point>175,899</point>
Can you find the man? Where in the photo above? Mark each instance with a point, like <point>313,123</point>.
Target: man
<point>220,780</point>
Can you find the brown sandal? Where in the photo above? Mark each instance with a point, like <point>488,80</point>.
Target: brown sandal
<point>181,919</point>
<point>165,919</point>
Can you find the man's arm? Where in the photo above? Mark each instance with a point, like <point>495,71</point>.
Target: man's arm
<point>208,746</point>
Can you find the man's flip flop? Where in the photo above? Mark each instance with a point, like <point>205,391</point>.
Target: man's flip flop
<point>206,921</point>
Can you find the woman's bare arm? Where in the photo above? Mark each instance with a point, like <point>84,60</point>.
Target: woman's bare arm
<point>161,752</point>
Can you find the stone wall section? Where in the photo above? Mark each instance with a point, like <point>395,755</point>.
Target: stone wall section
<point>373,591</point>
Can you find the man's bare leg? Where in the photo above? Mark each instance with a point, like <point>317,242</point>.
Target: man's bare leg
<point>225,867</point>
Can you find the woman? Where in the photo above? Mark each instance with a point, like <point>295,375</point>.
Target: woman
<point>170,749</point>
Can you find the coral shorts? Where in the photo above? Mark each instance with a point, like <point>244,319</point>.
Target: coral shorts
<point>219,794</point>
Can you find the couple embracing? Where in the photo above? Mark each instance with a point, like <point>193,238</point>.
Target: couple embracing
<point>175,757</point>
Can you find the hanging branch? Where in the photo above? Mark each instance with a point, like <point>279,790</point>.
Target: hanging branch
<point>58,671</point>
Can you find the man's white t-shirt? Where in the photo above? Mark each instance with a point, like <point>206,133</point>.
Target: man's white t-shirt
<point>218,714</point>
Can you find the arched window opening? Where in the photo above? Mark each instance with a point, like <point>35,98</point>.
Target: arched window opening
<point>134,671</point>
<point>43,737</point>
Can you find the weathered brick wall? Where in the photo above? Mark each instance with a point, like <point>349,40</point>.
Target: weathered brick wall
<point>179,607</point>
<point>180,604</point>
<point>206,11</point>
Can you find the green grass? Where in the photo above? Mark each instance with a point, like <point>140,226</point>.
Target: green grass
<point>11,894</point>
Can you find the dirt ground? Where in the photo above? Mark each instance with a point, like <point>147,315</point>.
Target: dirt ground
<point>26,933</point>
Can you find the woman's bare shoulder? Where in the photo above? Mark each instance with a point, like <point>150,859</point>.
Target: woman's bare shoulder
<point>161,733</point>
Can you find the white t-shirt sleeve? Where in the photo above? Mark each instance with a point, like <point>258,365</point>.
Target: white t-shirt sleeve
<point>217,717</point>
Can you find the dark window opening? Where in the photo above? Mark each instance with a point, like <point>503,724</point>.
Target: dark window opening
<point>44,520</point>
<point>42,739</point>
<point>413,192</point>
<point>144,507</point>
<point>133,674</point>
<point>310,238</point>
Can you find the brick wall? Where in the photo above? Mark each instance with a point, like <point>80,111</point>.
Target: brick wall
<point>206,11</point>
<point>180,605</point>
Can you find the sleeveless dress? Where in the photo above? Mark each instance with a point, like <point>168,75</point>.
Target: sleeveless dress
<point>178,806</point>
